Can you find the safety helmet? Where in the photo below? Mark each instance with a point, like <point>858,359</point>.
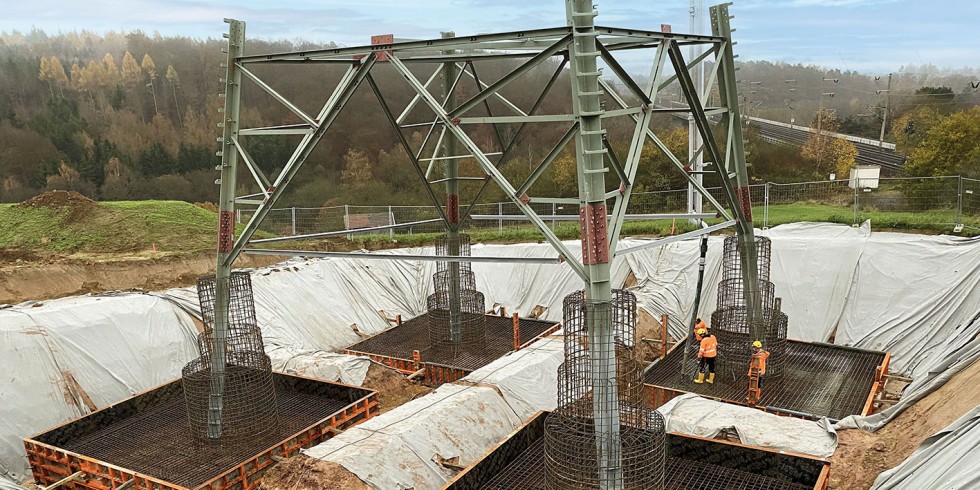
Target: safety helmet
<point>757,344</point>
<point>701,332</point>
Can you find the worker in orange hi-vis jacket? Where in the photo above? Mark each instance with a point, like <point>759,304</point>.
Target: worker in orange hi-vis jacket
<point>700,325</point>
<point>706,355</point>
<point>759,356</point>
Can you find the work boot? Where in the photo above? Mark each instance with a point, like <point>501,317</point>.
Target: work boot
<point>711,378</point>
<point>700,378</point>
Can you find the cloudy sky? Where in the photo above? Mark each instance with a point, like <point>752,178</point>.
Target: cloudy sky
<point>874,36</point>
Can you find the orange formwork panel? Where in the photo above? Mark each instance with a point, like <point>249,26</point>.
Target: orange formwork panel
<point>52,457</point>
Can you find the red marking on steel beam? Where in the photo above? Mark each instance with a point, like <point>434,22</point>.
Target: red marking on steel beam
<point>664,27</point>
<point>622,189</point>
<point>456,122</point>
<point>452,208</point>
<point>745,199</point>
<point>592,222</point>
<point>525,198</point>
<point>383,39</point>
<point>226,231</point>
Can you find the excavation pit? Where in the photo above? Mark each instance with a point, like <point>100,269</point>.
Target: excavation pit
<point>443,363</point>
<point>147,438</point>
<point>819,380</point>
<point>693,463</point>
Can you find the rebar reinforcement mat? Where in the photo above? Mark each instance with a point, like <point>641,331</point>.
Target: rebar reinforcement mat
<point>157,442</point>
<point>818,379</point>
<point>399,342</point>
<point>527,472</point>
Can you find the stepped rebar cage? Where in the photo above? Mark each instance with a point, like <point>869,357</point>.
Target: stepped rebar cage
<point>733,325</point>
<point>238,357</point>
<point>455,311</point>
<point>571,442</point>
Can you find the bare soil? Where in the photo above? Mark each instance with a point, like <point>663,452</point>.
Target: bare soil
<point>39,275</point>
<point>861,456</point>
<point>394,389</point>
<point>301,472</point>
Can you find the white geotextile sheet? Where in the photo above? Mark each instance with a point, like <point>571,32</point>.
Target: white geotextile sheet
<point>911,295</point>
<point>401,449</point>
<point>941,369</point>
<point>948,460</point>
<point>528,378</point>
<point>691,414</point>
<point>63,357</point>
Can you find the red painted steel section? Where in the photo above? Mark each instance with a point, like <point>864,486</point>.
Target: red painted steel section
<point>745,199</point>
<point>226,231</point>
<point>383,39</point>
<point>452,208</point>
<point>595,243</point>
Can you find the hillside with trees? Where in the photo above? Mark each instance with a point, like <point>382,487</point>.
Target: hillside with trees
<point>125,116</point>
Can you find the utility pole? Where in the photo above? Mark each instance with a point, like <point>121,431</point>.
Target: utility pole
<point>884,119</point>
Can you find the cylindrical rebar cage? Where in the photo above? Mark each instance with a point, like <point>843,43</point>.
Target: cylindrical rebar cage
<point>248,395</point>
<point>735,342</point>
<point>443,281</point>
<point>571,456</point>
<point>732,263</point>
<point>241,305</point>
<point>455,246</point>
<point>472,321</point>
<point>571,459</point>
<point>248,399</point>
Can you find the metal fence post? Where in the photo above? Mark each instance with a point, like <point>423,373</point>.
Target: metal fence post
<point>500,221</point>
<point>238,215</point>
<point>347,220</point>
<point>857,197</point>
<point>765,209</point>
<point>391,221</point>
<point>292,216</point>
<point>554,211</point>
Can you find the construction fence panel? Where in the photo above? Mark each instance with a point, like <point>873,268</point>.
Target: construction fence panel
<point>926,200</point>
<point>970,202</point>
<point>932,198</point>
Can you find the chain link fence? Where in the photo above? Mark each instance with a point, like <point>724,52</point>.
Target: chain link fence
<point>892,202</point>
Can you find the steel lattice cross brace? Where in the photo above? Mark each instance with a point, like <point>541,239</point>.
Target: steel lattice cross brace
<point>580,47</point>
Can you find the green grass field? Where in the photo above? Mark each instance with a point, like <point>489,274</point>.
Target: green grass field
<point>110,227</point>
<point>180,227</point>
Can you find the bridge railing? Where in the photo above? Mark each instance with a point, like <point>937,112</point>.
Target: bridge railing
<point>938,203</point>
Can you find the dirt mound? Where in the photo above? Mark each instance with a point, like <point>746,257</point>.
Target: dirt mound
<point>302,472</point>
<point>58,200</point>
<point>862,455</point>
<point>393,388</point>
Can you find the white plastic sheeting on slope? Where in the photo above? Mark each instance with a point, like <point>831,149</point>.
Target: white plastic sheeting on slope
<point>691,414</point>
<point>946,460</point>
<point>941,369</point>
<point>528,378</point>
<point>911,295</point>
<point>400,449</point>
<point>64,357</point>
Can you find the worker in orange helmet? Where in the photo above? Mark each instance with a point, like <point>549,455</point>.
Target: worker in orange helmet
<point>759,356</point>
<point>706,355</point>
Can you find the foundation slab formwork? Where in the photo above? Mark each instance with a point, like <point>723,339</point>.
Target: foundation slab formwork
<point>819,380</point>
<point>145,441</point>
<point>397,346</point>
<point>693,463</point>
